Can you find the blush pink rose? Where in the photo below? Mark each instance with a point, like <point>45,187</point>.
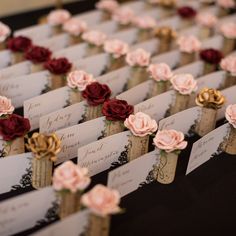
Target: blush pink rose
<point>184,83</point>
<point>160,72</point>
<point>75,26</point>
<point>229,64</point>
<point>206,19</point>
<point>189,44</point>
<point>226,3</point>
<point>5,31</point>
<point>144,22</point>
<point>116,47</point>
<point>94,37</point>
<point>69,176</point>
<point>141,124</point>
<point>229,30</point>
<point>79,79</point>
<point>102,201</point>
<point>107,5</point>
<point>124,15</point>
<point>170,140</point>
<point>58,17</point>
<point>230,114</point>
<point>6,107</point>
<point>138,57</point>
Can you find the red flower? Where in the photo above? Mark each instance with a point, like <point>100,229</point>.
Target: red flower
<point>96,93</point>
<point>19,44</point>
<point>13,126</point>
<point>186,12</point>
<point>211,56</point>
<point>58,66</point>
<point>38,54</point>
<point>116,109</point>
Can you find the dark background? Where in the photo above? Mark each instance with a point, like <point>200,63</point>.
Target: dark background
<point>202,203</point>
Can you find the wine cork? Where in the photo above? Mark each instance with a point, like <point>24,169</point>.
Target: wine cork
<point>139,146</point>
<point>186,58</point>
<point>69,203</point>
<point>57,81</point>
<point>37,67</point>
<point>123,27</point>
<point>115,64</point>
<point>16,146</point>
<point>205,32</point>
<point>207,121</point>
<point>230,147</point>
<point>113,127</point>
<point>228,45</point>
<point>181,103</point>
<point>17,57</point>
<point>41,172</point>
<point>209,68</point>
<point>167,167</point>
<point>230,80</point>
<point>93,112</point>
<point>2,46</point>
<point>222,12</point>
<point>144,35</point>
<point>75,40</point>
<point>138,75</point>
<point>98,226</point>
<point>159,88</point>
<point>164,45</point>
<point>93,50</point>
<point>57,29</point>
<point>105,16</point>
<point>185,23</point>
<point>75,96</point>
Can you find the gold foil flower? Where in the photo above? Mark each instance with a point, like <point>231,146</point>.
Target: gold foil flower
<point>44,145</point>
<point>167,3</point>
<point>165,32</point>
<point>210,98</point>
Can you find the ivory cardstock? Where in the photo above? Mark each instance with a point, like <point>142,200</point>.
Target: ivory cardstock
<point>129,36</point>
<point>27,210</point>
<point>207,147</point>
<point>150,46</point>
<point>134,174</point>
<point>105,153</point>
<point>19,176</point>
<point>24,87</point>
<point>5,58</point>
<point>73,225</point>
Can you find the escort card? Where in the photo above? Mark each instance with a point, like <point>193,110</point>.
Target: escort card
<point>108,27</point>
<point>39,106</point>
<point>105,153</point>
<point>24,87</point>
<point>37,32</point>
<point>129,36</point>
<point>56,42</point>
<point>173,22</point>
<point>207,147</point>
<point>151,46</point>
<point>73,225</point>
<point>215,42</point>
<point>15,172</point>
<point>5,58</point>
<point>27,211</point>
<point>134,174</point>
<point>16,70</point>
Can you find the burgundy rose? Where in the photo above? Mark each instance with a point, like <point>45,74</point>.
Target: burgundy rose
<point>58,66</point>
<point>96,93</point>
<point>38,54</point>
<point>19,44</point>
<point>186,12</point>
<point>116,109</point>
<point>13,126</point>
<point>211,56</point>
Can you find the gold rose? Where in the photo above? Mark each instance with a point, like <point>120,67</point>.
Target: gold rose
<point>44,145</point>
<point>210,98</point>
<point>167,3</point>
<point>165,32</point>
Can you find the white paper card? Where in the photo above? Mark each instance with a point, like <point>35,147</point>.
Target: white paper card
<point>129,36</point>
<point>5,58</point>
<point>195,69</point>
<point>150,46</point>
<point>134,175</point>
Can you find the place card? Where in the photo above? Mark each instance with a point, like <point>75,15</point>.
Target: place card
<point>108,27</point>
<point>15,172</point>
<point>90,17</point>
<point>72,53</point>
<point>150,45</point>
<point>105,153</point>
<point>215,42</point>
<point>207,147</point>
<point>5,58</point>
<point>39,106</point>
<point>24,87</point>
<point>129,36</point>
<point>134,174</point>
<point>184,121</point>
<point>73,225</point>
<point>27,211</point>
<point>37,32</point>
<point>95,65</point>
<point>137,6</point>
<point>56,42</point>
<point>16,70</point>
<point>195,69</point>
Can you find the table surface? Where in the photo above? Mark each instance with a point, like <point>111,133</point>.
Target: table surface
<point>203,202</point>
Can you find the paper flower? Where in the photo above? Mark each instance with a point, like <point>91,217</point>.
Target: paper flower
<point>189,44</point>
<point>211,56</point>
<point>75,26</point>
<point>206,19</point>
<point>19,44</point>
<point>124,15</point>
<point>229,64</point>
<point>138,57</point>
<point>186,12</point>
<point>58,66</point>
<point>94,37</point>
<point>5,31</point>
<point>38,54</point>
<point>58,17</point>
<point>227,4</point>
<point>230,114</point>
<point>107,5</point>
<point>228,29</point>
<point>6,107</point>
<point>144,22</point>
<point>116,47</point>
<point>160,72</point>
